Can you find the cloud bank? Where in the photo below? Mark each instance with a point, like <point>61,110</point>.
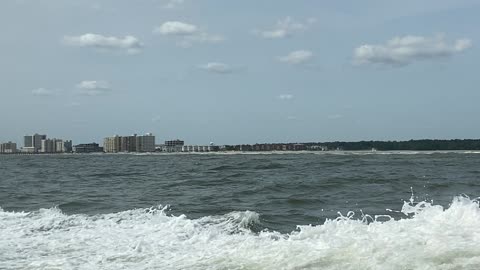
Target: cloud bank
<point>400,51</point>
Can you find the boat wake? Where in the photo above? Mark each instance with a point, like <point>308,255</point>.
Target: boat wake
<point>429,237</point>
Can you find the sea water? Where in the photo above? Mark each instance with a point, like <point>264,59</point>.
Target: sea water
<point>290,211</point>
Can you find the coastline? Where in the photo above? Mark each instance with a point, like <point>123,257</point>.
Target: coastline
<point>335,152</point>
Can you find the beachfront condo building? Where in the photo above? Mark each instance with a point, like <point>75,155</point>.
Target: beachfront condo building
<point>8,148</point>
<point>134,143</point>
<point>33,143</point>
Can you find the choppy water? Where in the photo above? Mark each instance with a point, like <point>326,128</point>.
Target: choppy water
<point>353,211</point>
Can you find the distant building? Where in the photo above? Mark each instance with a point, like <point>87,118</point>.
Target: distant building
<point>299,147</point>
<point>67,146</point>
<point>8,148</point>
<point>59,147</point>
<point>28,141</point>
<point>134,143</point>
<point>176,142</point>
<point>28,150</point>
<point>245,147</point>
<point>128,143</point>
<point>33,143</point>
<point>268,147</point>
<point>172,146</point>
<point>47,146</point>
<point>200,148</point>
<point>112,144</point>
<point>55,146</point>
<point>317,148</point>
<point>88,148</point>
<point>145,143</point>
<point>168,149</point>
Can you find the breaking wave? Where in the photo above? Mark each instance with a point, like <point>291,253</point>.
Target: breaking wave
<point>429,237</point>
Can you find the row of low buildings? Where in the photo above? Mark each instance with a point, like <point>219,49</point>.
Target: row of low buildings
<point>275,147</point>
<point>174,146</point>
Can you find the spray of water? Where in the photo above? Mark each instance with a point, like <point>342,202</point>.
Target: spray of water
<point>429,237</point>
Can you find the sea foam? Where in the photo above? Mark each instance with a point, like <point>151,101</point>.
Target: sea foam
<point>429,237</point>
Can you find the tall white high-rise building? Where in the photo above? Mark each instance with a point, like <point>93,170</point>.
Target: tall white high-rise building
<point>48,146</point>
<point>52,146</point>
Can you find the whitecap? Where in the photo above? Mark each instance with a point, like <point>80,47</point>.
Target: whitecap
<point>429,237</point>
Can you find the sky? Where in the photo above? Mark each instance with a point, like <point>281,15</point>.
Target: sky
<point>233,72</point>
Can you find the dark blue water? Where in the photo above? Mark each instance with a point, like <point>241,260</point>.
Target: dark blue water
<point>285,189</point>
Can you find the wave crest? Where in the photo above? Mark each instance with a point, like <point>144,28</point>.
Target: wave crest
<point>430,237</point>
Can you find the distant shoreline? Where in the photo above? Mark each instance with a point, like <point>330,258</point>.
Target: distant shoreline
<point>310,147</point>
<point>336,152</point>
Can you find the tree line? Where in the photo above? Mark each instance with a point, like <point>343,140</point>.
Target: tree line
<point>415,145</point>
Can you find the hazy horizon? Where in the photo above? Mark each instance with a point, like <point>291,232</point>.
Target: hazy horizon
<point>239,72</point>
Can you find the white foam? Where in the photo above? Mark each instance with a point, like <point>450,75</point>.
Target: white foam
<point>431,238</point>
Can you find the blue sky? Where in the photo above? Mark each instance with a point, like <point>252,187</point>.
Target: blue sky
<point>240,71</point>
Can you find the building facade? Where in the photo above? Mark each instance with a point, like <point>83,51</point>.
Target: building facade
<point>134,143</point>
<point>200,148</point>
<point>145,143</point>
<point>67,146</point>
<point>176,142</point>
<point>53,146</point>
<point>8,148</point>
<point>28,141</point>
<point>33,143</point>
<point>88,148</point>
<point>171,146</point>
<point>112,144</point>
<point>47,146</point>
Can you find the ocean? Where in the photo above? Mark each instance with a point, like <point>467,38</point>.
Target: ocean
<point>322,210</point>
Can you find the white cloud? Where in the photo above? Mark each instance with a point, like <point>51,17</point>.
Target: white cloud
<point>285,96</point>
<point>404,50</point>
<point>128,43</point>
<point>176,28</point>
<point>297,57</point>
<point>42,92</point>
<point>285,28</point>
<point>94,88</point>
<point>216,67</point>
<point>188,33</point>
